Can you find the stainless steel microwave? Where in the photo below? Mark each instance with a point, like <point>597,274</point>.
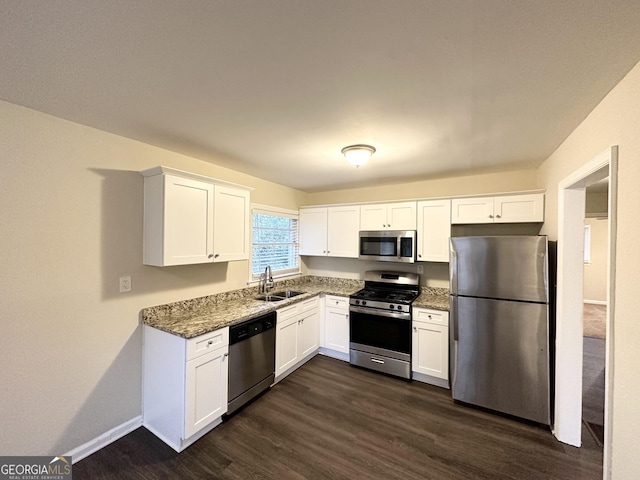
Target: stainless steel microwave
<point>388,245</point>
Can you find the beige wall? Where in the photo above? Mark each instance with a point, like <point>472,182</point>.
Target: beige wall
<point>595,272</point>
<point>616,121</point>
<point>71,223</point>
<point>442,187</point>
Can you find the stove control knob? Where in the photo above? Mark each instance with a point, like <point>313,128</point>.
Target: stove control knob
<point>363,303</point>
<point>357,302</point>
<point>400,307</point>
<point>392,307</point>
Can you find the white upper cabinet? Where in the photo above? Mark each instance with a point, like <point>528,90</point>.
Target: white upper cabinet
<point>342,231</point>
<point>434,230</point>
<point>231,224</point>
<point>313,231</point>
<point>331,231</point>
<point>191,219</point>
<point>500,209</point>
<point>388,216</point>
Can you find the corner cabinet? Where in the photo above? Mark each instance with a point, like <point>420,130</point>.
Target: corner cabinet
<point>191,218</point>
<point>297,335</point>
<point>330,231</point>
<point>388,216</point>
<point>499,209</point>
<point>184,384</point>
<point>430,346</point>
<point>434,230</point>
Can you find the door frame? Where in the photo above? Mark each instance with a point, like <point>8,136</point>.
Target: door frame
<point>569,325</point>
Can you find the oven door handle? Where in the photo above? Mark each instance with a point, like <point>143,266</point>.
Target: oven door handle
<point>381,313</point>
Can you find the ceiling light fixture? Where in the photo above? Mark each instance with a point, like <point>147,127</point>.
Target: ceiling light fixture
<point>358,154</point>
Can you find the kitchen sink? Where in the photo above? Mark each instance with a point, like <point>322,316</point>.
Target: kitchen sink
<point>286,293</point>
<point>279,296</point>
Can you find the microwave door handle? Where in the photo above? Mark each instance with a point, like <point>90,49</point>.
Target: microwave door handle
<point>399,247</point>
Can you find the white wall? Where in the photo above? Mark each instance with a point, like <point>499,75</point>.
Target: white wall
<point>616,121</point>
<point>71,224</point>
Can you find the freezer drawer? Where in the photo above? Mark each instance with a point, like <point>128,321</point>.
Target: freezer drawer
<point>501,358</point>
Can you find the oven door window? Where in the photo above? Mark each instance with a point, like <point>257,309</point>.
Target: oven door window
<point>379,246</point>
<point>382,332</point>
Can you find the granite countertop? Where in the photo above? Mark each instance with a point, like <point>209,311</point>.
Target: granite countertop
<point>198,316</point>
<point>432,297</point>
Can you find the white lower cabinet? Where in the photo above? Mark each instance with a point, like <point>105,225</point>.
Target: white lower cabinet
<point>297,335</point>
<point>430,348</point>
<point>335,331</point>
<point>184,384</point>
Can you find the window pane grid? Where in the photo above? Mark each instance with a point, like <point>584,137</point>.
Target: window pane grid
<point>275,243</point>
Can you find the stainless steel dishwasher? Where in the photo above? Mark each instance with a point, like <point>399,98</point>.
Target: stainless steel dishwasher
<point>252,359</point>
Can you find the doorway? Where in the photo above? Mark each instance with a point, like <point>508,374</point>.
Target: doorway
<point>596,250</point>
<point>570,296</point>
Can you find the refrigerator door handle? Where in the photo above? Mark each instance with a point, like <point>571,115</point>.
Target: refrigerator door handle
<point>453,307</point>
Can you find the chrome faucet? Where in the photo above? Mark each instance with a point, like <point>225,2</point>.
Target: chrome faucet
<point>266,280</point>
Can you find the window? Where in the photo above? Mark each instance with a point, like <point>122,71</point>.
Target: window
<point>587,244</point>
<point>275,241</point>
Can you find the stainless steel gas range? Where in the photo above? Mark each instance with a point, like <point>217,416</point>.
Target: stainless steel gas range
<point>380,322</point>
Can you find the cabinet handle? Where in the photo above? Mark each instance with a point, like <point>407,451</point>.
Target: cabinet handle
<point>209,343</point>
<point>419,256</point>
<point>490,216</point>
<point>211,255</point>
<point>415,329</point>
<point>377,360</point>
<point>216,255</point>
<point>498,216</point>
<point>337,302</point>
<point>225,356</point>
<point>429,317</point>
<point>328,251</point>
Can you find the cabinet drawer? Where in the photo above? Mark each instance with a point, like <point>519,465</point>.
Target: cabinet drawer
<point>431,316</point>
<point>309,304</point>
<point>207,343</point>
<point>333,301</point>
<point>286,312</point>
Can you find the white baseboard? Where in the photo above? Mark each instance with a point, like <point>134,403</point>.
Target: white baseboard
<point>596,302</point>
<point>105,439</point>
<point>334,354</point>
<point>438,382</point>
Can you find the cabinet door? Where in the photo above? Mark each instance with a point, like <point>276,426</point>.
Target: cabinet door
<point>308,334</point>
<point>206,390</point>
<point>231,224</point>
<point>286,345</point>
<point>188,220</point>
<point>336,329</point>
<point>313,231</point>
<point>434,230</point>
<point>342,231</point>
<point>472,210</point>
<point>401,216</point>
<point>430,350</point>
<point>373,217</point>
<point>519,208</point>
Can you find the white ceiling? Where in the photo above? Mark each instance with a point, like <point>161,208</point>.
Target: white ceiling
<point>276,88</point>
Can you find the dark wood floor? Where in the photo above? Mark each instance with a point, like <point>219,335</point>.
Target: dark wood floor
<point>330,420</point>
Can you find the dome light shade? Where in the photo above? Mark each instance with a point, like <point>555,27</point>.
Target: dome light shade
<point>358,154</point>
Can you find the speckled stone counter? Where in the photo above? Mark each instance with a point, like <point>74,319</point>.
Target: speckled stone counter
<point>198,316</point>
<point>433,297</point>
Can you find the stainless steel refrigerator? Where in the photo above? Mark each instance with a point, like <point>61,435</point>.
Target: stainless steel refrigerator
<point>500,324</point>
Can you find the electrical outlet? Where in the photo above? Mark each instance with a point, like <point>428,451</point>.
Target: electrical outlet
<point>420,269</point>
<point>125,283</point>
